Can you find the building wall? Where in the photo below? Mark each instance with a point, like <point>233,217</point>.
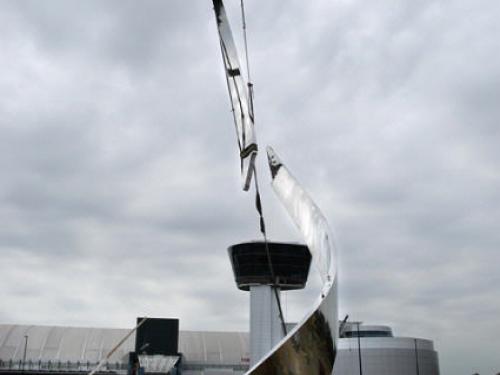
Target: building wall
<point>387,362</point>
<point>203,353</point>
<point>387,356</point>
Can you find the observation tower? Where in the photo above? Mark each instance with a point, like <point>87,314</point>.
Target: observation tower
<point>266,271</point>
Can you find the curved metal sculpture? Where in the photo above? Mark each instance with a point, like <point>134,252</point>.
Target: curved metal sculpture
<point>310,348</point>
<point>241,98</point>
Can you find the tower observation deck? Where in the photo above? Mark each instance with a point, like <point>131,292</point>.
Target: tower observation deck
<point>290,264</point>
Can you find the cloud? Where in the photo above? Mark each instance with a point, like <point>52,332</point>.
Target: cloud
<point>120,186</point>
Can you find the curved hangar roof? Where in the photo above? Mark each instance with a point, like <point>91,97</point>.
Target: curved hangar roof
<point>54,343</point>
<point>224,349</point>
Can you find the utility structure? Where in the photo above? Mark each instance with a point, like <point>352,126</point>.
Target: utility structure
<point>266,269</point>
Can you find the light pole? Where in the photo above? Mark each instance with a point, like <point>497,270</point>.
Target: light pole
<point>416,358</point>
<point>25,348</point>
<point>359,351</point>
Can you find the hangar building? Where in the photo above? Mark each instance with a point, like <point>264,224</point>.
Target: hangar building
<point>57,350</point>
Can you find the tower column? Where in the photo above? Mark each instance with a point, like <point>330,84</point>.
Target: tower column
<point>265,325</point>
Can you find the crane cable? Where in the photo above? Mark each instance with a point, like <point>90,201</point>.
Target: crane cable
<point>244,22</point>
<point>116,347</point>
<point>258,203</point>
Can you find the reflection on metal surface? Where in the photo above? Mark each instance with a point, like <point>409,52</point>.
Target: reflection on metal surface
<point>310,348</point>
<point>241,105</point>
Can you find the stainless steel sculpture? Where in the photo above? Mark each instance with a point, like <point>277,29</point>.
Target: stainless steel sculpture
<point>240,97</point>
<point>310,348</point>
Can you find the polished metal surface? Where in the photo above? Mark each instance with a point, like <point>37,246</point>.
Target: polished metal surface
<point>239,96</point>
<point>310,347</point>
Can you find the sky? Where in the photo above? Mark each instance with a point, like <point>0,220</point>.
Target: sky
<point>120,187</point>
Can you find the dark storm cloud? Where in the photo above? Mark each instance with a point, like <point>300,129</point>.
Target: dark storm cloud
<point>120,187</point>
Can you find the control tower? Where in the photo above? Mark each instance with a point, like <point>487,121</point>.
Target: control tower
<point>252,272</point>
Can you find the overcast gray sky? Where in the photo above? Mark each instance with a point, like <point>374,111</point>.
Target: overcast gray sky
<point>119,188</point>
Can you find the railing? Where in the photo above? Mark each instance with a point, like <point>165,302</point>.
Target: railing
<point>63,366</point>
